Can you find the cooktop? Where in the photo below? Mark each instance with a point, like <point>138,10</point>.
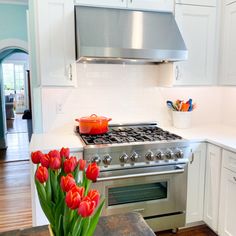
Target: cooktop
<point>129,134</point>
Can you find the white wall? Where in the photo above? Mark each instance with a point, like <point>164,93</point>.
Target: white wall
<point>126,94</point>
<point>228,104</point>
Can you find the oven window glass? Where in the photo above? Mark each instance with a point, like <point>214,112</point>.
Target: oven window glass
<point>137,193</point>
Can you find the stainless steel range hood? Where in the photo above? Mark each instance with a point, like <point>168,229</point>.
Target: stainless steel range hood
<point>119,35</point>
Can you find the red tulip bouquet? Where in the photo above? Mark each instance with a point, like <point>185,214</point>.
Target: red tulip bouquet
<point>70,207</point>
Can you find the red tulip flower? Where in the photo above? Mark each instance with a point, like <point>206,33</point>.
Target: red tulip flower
<point>92,171</point>
<point>73,199</point>
<point>79,190</point>
<point>82,164</point>
<point>41,174</point>
<point>45,159</point>
<point>36,157</point>
<point>65,152</point>
<point>54,154</point>
<point>86,207</point>
<point>94,196</point>
<point>67,182</point>
<point>55,163</point>
<point>70,165</point>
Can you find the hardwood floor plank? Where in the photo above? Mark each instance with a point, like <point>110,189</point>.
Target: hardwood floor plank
<point>15,196</point>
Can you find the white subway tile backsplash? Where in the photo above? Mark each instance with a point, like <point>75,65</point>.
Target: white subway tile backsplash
<point>126,94</point>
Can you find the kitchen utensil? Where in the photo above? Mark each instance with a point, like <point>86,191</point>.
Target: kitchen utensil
<point>171,105</point>
<point>93,124</point>
<point>185,106</point>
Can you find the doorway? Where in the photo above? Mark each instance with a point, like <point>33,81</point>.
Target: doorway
<point>15,96</point>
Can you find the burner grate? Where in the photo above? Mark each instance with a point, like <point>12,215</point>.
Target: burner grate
<point>129,135</point>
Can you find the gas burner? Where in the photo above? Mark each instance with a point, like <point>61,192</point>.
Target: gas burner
<point>130,134</point>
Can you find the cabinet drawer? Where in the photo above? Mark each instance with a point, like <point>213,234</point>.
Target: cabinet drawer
<point>227,2</point>
<point>229,160</point>
<point>199,2</point>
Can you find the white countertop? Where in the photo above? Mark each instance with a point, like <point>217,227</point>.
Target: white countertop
<point>46,142</point>
<point>220,135</point>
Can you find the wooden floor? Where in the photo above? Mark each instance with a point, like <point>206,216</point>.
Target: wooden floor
<point>202,230</point>
<point>15,196</point>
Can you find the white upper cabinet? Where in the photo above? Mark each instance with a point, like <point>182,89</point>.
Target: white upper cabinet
<point>103,3</point>
<point>153,5</point>
<point>198,27</point>
<point>196,179</point>
<point>56,41</point>
<point>212,186</point>
<point>160,5</point>
<point>198,2</point>
<point>228,75</point>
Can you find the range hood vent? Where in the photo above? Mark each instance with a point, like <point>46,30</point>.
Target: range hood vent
<point>106,35</point>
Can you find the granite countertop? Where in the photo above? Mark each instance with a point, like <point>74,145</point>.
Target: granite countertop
<point>129,224</point>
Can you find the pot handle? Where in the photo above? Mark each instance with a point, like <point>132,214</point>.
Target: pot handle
<point>109,119</point>
<point>93,115</point>
<point>78,120</point>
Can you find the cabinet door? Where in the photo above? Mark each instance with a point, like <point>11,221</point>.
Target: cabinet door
<point>154,5</point>
<point>103,3</point>
<point>198,27</point>
<point>228,76</point>
<point>198,2</point>
<point>196,178</point>
<point>56,41</point>
<point>212,186</point>
<point>227,215</point>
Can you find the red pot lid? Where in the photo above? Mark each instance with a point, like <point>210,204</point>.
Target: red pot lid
<point>93,118</point>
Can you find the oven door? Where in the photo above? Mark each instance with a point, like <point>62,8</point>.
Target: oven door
<point>152,191</point>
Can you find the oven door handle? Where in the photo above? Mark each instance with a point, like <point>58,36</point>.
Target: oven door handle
<point>180,170</point>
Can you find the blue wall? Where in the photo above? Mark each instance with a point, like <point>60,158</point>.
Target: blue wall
<point>13,22</point>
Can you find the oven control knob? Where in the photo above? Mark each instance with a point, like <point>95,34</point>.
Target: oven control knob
<point>160,155</point>
<point>169,155</point>
<point>134,156</point>
<point>179,154</point>
<point>96,159</point>
<point>107,159</point>
<point>149,156</point>
<point>124,158</point>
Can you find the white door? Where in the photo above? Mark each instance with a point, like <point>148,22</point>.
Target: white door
<point>228,76</point>
<point>212,186</point>
<point>103,3</point>
<point>196,178</point>
<point>56,41</point>
<point>198,27</point>
<point>198,2</point>
<point>227,216</point>
<point>154,5</point>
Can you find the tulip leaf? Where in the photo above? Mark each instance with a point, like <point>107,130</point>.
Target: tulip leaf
<point>48,188</point>
<point>54,184</point>
<point>43,202</point>
<point>86,226</point>
<point>95,219</point>
<point>77,226</point>
<point>59,211</point>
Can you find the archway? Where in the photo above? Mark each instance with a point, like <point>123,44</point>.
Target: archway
<point>8,48</point>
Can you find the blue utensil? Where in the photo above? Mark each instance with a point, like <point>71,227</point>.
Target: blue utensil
<point>171,105</point>
<point>190,102</point>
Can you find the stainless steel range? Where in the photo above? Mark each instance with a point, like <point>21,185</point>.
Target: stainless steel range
<point>143,169</point>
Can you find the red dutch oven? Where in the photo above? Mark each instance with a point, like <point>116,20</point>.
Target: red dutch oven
<point>93,124</point>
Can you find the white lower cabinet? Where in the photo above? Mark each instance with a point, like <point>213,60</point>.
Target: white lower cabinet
<point>212,186</point>
<point>196,178</point>
<point>227,215</point>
